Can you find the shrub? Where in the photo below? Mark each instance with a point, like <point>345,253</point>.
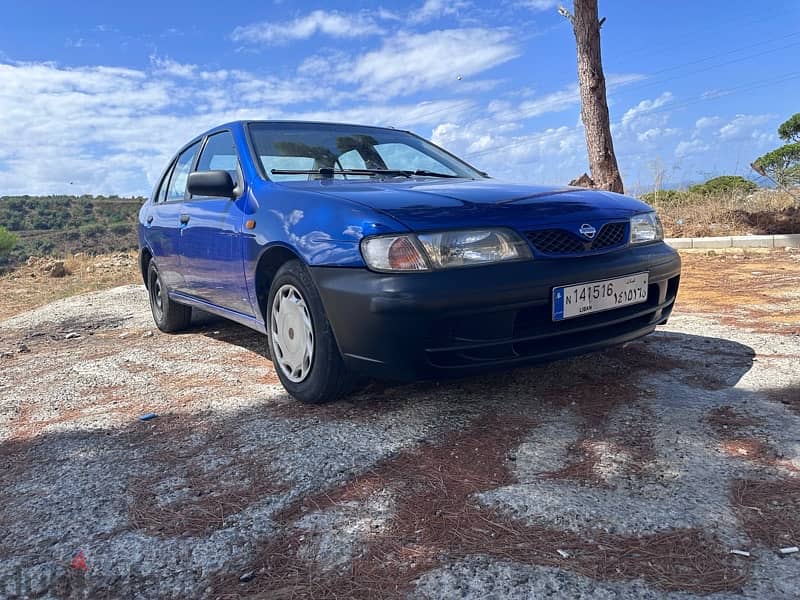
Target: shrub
<point>91,229</point>
<point>120,228</point>
<point>7,241</point>
<point>725,184</point>
<point>664,197</point>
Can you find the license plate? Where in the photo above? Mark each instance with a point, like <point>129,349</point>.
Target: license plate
<point>586,298</point>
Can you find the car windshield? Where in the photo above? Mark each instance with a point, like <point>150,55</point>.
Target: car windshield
<point>302,151</point>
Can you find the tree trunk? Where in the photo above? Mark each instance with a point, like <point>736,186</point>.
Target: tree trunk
<point>594,107</point>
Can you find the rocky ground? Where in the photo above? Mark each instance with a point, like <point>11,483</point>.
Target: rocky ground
<point>628,474</point>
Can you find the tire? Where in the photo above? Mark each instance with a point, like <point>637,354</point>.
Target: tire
<point>168,314</point>
<point>310,368</point>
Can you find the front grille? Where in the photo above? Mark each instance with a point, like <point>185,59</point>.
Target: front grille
<point>610,235</point>
<point>561,241</point>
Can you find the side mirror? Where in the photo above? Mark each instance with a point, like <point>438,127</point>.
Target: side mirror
<point>217,184</point>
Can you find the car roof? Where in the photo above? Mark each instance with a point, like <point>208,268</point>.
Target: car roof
<point>245,122</point>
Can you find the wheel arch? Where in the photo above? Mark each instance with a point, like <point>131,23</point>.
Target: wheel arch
<point>145,256</point>
<point>272,259</point>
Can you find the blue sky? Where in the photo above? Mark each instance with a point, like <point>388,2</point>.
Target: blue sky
<point>96,96</point>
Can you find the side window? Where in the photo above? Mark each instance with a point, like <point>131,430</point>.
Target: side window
<point>177,181</point>
<point>219,154</point>
<point>352,160</point>
<point>161,196</point>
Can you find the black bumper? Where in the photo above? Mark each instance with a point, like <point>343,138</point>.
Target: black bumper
<point>435,324</point>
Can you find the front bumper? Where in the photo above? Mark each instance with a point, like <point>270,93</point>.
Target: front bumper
<point>455,322</point>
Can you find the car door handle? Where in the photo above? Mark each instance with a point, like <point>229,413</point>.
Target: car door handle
<point>149,219</point>
<point>184,219</point>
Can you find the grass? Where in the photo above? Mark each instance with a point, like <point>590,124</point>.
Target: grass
<point>690,214</point>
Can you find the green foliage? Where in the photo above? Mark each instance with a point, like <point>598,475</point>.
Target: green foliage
<point>7,241</point>
<point>664,197</point>
<point>68,224</point>
<point>781,165</point>
<point>725,184</point>
<point>91,229</point>
<point>789,130</point>
<point>120,228</point>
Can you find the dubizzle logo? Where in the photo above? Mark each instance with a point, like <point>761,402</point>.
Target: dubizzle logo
<point>79,563</point>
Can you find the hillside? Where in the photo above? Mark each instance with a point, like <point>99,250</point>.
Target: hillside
<point>64,225</point>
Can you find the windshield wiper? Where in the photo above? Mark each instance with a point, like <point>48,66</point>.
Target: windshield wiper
<point>424,173</point>
<point>328,173</point>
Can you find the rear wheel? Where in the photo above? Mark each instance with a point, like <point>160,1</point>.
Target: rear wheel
<point>168,314</point>
<point>301,342</point>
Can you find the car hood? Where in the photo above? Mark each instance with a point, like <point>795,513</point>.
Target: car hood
<point>427,204</point>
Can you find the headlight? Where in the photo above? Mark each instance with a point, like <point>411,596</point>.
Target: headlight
<point>646,227</point>
<point>393,253</point>
<point>443,250</point>
<point>462,248</point>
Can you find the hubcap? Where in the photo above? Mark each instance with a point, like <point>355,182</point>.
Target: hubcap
<point>292,333</point>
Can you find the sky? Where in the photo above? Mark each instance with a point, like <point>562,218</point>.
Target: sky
<point>96,96</point>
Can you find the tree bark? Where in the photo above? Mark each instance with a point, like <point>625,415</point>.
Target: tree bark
<point>594,106</point>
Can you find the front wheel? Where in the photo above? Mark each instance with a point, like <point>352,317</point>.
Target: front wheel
<point>301,342</point>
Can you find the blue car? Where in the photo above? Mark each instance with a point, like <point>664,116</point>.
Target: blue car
<point>368,251</point>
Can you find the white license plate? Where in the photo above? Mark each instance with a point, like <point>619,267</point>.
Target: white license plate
<point>586,298</point>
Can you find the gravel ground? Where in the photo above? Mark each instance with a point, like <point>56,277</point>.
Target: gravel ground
<point>628,474</point>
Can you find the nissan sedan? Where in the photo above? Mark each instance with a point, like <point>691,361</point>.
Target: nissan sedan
<point>366,251</point>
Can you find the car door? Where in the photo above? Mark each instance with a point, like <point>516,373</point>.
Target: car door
<point>162,222</point>
<point>211,238</point>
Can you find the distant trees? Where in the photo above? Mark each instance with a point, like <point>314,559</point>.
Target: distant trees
<point>40,225</point>
<point>782,165</point>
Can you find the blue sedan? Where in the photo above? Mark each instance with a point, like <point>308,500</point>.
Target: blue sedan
<point>365,251</point>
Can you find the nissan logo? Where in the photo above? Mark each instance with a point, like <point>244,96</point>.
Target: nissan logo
<point>587,231</point>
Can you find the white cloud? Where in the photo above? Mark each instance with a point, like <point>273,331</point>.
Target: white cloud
<point>407,63</point>
<point>562,99</point>
<point>553,102</point>
<point>743,127</point>
<point>111,130</point>
<point>507,154</point>
<point>655,134</point>
<point>331,23</point>
<point>689,147</point>
<point>167,66</point>
<point>644,107</point>
<point>434,9</point>
<point>704,122</point>
<point>539,4</point>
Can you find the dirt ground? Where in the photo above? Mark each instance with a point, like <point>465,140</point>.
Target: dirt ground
<point>33,284</point>
<point>755,289</point>
<point>632,473</point>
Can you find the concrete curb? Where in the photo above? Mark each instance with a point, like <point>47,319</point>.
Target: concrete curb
<point>737,241</point>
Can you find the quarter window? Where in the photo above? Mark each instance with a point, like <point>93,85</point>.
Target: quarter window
<point>161,196</point>
<point>177,182</point>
